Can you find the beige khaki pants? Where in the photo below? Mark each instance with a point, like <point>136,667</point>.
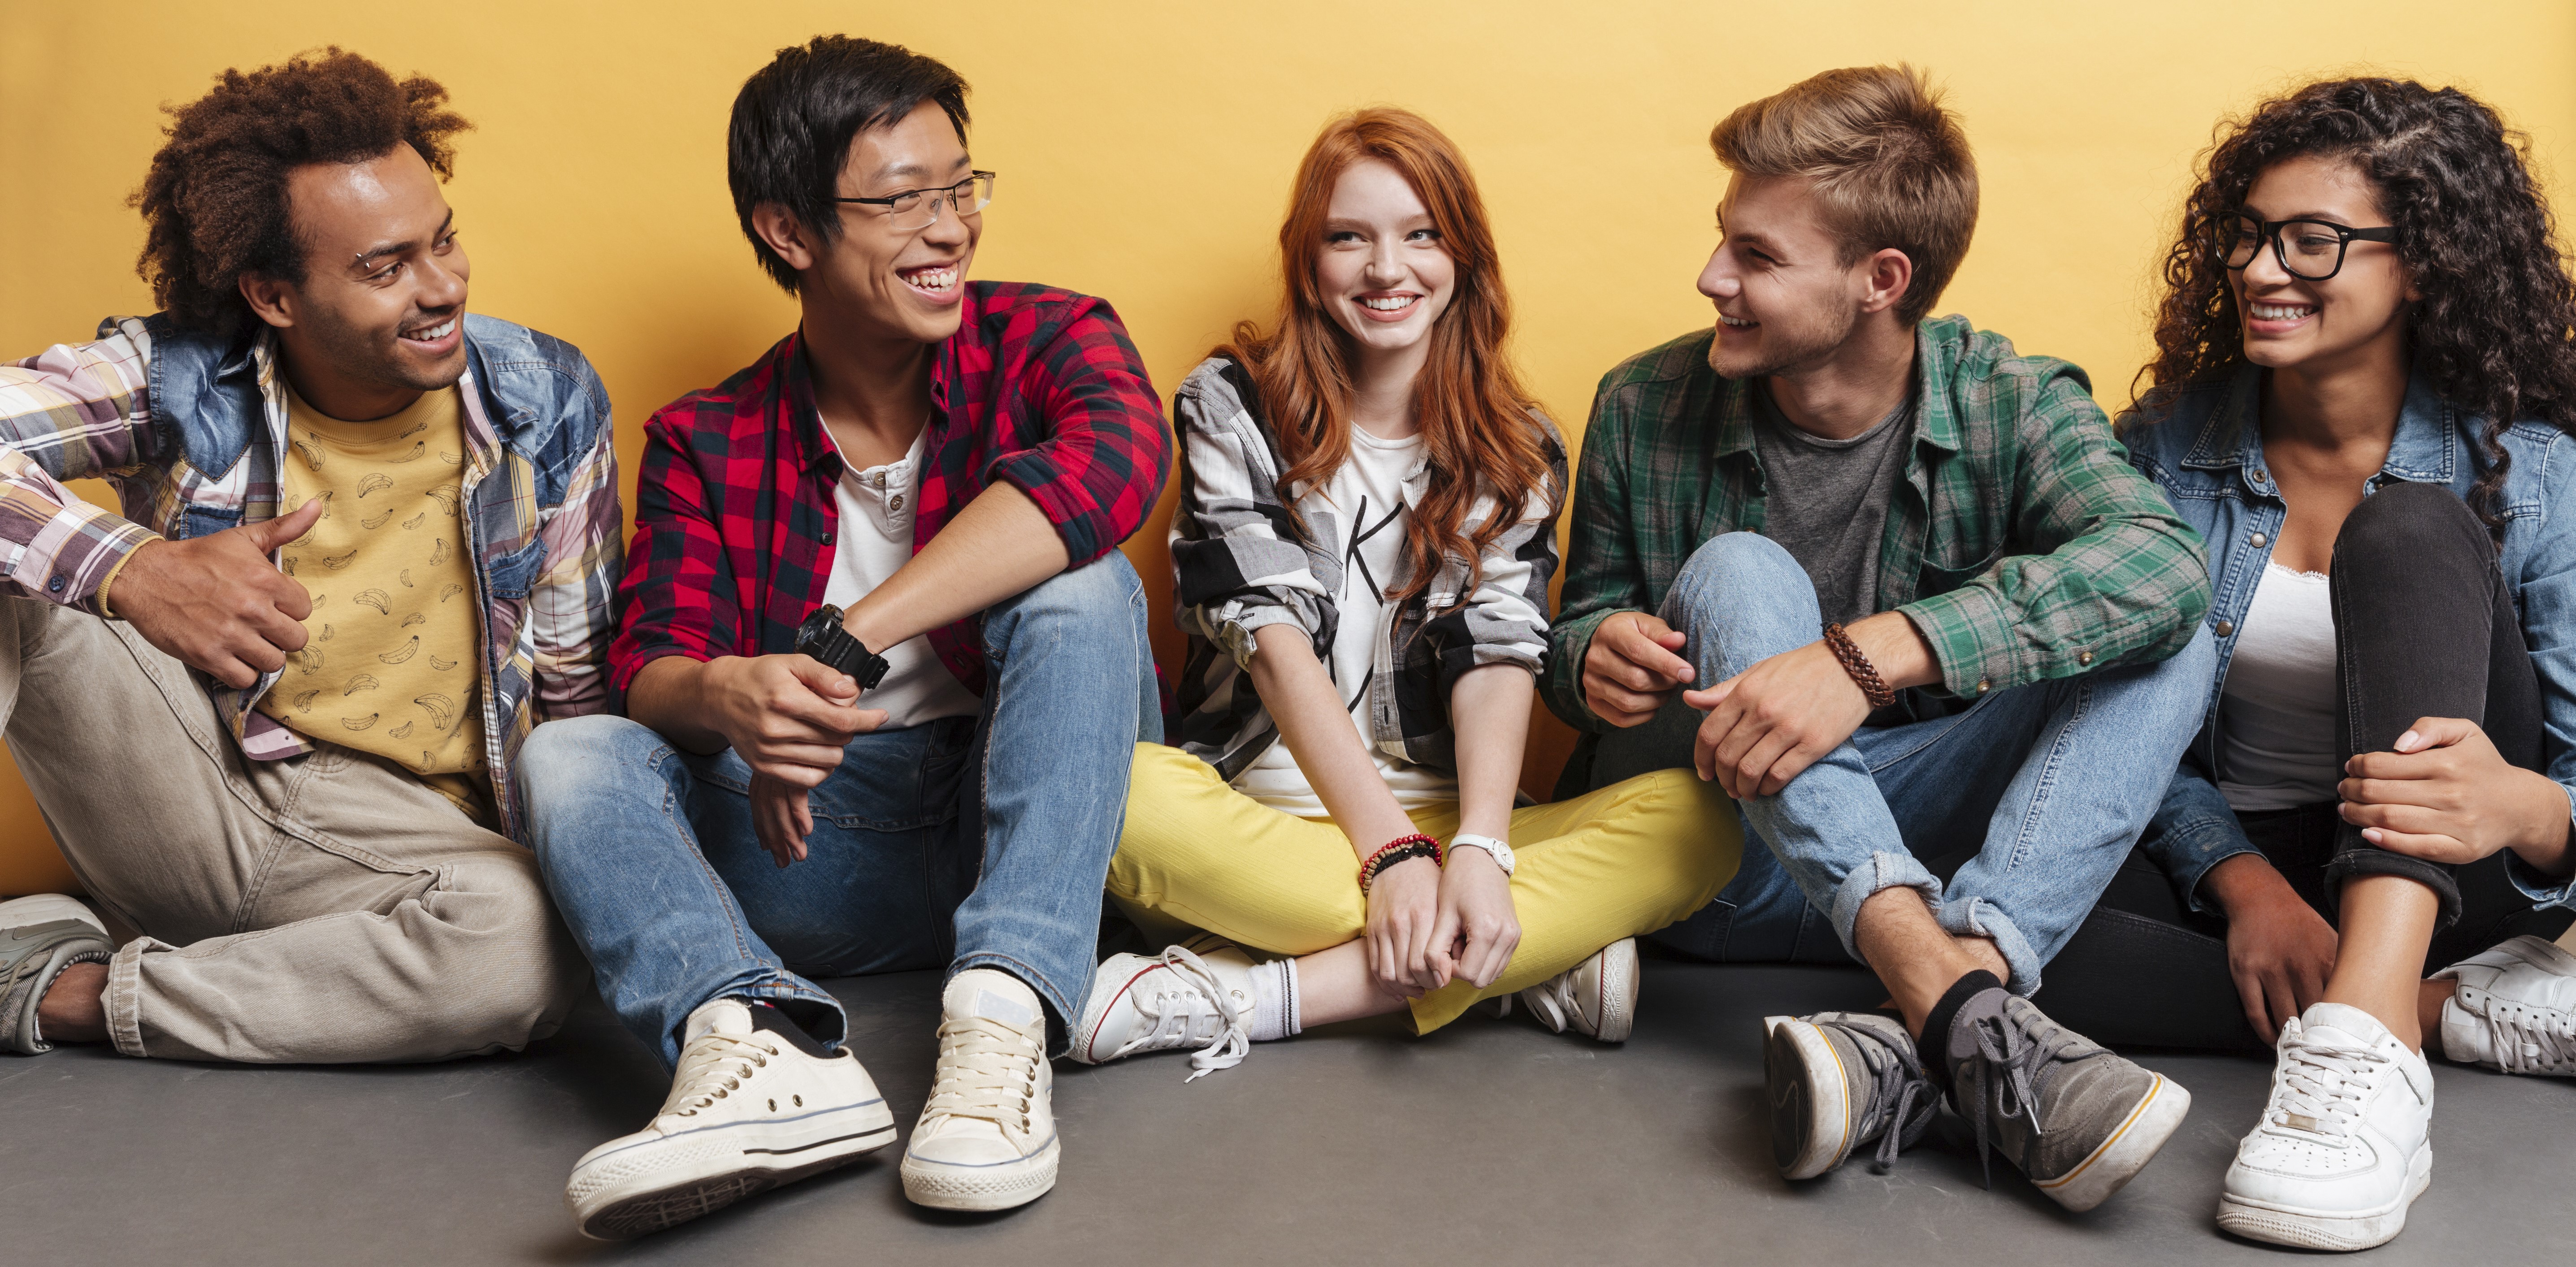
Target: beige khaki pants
<point>321,908</point>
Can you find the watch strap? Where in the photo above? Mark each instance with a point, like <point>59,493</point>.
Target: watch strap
<point>836,648</point>
<point>1497,850</point>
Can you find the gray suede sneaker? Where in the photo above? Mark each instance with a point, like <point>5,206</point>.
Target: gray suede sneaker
<point>2076,1119</point>
<point>1839,1080</point>
<point>39,937</point>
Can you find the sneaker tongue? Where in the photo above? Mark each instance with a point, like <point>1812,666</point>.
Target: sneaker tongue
<point>724,1016</point>
<point>994,996</point>
<point>2342,1023</point>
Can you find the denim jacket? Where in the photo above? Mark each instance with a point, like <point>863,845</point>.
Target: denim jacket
<point>188,429</point>
<point>2206,453</point>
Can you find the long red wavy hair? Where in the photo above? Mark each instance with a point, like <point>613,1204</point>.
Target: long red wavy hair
<point>1475,418</point>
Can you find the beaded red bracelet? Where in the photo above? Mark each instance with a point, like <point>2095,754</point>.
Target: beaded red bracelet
<point>1400,849</point>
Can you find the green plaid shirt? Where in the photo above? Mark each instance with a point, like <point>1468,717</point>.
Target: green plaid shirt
<point>2022,544</point>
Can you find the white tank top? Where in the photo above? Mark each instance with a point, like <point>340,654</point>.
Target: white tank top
<point>2276,720</point>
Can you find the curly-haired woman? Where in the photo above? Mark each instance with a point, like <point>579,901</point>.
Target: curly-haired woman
<point>1366,530</point>
<point>2362,397</point>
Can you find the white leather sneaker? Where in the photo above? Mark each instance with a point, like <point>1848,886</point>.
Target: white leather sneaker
<point>2515,1010</point>
<point>1597,997</point>
<point>2342,1149</point>
<point>756,1103</point>
<point>986,1140</point>
<point>1196,994</point>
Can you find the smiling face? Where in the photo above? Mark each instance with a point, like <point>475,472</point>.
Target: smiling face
<point>2292,323</point>
<point>888,281</point>
<point>1381,270</point>
<point>1785,299</point>
<point>380,313</point>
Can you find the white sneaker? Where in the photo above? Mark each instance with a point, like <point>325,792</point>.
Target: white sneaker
<point>2515,1010</point>
<point>1196,994</point>
<point>986,1140</point>
<point>2341,1150</point>
<point>756,1103</point>
<point>1597,996</point>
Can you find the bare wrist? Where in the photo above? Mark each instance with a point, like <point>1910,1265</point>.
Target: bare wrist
<point>2543,842</point>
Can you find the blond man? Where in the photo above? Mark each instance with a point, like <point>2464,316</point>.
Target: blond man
<point>1895,588</point>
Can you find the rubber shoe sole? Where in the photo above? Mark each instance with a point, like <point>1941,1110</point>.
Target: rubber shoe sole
<point>1003,1186</point>
<point>1810,1096</point>
<point>619,1199</point>
<point>2150,1123</point>
<point>2312,1229</point>
<point>1618,1001</point>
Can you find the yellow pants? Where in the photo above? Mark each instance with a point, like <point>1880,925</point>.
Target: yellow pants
<point>1628,859</point>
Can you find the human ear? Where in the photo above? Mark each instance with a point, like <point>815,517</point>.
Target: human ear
<point>272,300</point>
<point>1889,274</point>
<point>790,237</point>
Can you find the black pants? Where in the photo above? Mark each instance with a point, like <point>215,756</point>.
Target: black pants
<point>2424,627</point>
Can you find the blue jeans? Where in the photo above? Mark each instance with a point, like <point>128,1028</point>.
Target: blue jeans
<point>2050,783</point>
<point>968,842</point>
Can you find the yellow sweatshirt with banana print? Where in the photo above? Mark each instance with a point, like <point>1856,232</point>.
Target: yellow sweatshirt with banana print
<point>390,667</point>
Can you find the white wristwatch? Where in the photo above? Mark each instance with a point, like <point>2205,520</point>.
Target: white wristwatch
<point>1501,853</point>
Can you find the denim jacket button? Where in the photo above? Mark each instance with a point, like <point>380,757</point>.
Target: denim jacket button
<point>2262,477</point>
<point>2257,540</point>
<point>2225,628</point>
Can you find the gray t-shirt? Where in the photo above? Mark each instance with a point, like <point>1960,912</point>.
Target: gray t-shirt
<point>1825,501</point>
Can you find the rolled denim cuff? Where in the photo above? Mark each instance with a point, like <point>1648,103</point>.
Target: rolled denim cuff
<point>1977,917</point>
<point>2544,890</point>
<point>2372,860</point>
<point>2188,851</point>
<point>1882,871</point>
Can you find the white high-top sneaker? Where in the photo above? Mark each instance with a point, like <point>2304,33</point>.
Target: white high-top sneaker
<point>756,1103</point>
<point>1597,996</point>
<point>986,1140</point>
<point>2515,1010</point>
<point>1196,994</point>
<point>2342,1149</point>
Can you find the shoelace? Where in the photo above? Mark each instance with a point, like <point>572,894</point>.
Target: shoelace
<point>1900,1090</point>
<point>1176,1015</point>
<point>2525,1039</point>
<point>987,1071</point>
<point>2321,1088</point>
<point>712,1068</point>
<point>2014,1053</point>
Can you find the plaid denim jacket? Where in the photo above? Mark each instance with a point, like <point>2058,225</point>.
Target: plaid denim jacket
<point>188,429</point>
<point>1240,562</point>
<point>2022,544</point>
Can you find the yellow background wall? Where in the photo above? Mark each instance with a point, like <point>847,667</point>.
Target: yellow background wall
<point>1145,150</point>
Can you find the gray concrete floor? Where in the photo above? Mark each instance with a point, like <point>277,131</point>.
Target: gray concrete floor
<point>1491,1142</point>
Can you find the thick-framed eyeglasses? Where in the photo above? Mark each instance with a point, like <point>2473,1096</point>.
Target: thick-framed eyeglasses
<point>2310,250</point>
<point>916,209</point>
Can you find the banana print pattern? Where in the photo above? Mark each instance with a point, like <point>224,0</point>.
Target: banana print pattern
<point>422,683</point>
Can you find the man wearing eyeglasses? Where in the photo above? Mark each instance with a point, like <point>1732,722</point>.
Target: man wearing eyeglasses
<point>883,666</point>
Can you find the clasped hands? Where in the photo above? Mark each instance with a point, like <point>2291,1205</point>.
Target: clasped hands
<point>1764,727</point>
<point>788,718</point>
<point>1429,923</point>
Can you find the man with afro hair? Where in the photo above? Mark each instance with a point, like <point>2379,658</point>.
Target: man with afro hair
<point>368,542</point>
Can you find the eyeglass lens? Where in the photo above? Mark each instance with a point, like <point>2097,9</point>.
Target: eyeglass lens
<point>920,209</point>
<point>2308,249</point>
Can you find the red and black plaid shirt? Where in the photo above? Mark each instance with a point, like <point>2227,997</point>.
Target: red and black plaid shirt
<point>734,517</point>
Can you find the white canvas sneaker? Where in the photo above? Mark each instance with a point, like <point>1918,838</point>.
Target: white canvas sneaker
<point>1196,994</point>
<point>1597,997</point>
<point>986,1140</point>
<point>2342,1149</point>
<point>2515,1010</point>
<point>756,1103</point>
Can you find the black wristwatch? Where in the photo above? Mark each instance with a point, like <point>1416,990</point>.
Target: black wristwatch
<point>822,637</point>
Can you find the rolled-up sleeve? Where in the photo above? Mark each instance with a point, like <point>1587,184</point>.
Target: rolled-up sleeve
<point>1239,563</point>
<point>678,594</point>
<point>1099,468</point>
<point>1505,620</point>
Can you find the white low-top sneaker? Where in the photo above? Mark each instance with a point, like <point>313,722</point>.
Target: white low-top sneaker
<point>986,1140</point>
<point>2342,1149</point>
<point>1196,994</point>
<point>756,1103</point>
<point>1597,997</point>
<point>2515,1009</point>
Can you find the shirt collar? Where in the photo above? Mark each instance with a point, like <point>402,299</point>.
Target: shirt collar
<point>1936,354</point>
<point>2424,450</point>
<point>805,422</point>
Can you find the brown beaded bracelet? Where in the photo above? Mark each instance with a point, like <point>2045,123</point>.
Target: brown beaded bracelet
<point>1400,849</point>
<point>1864,674</point>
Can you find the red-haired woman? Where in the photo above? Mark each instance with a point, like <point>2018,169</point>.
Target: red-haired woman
<point>1365,536</point>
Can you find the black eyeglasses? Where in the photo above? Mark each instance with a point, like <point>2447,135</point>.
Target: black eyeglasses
<point>916,209</point>
<point>2311,250</point>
